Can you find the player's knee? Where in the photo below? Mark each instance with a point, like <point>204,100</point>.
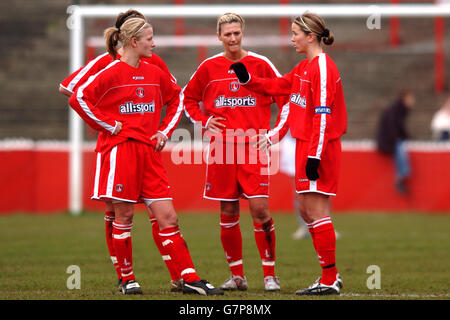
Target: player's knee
<point>310,215</point>
<point>229,208</point>
<point>124,212</point>
<point>124,217</point>
<point>168,219</point>
<point>260,213</point>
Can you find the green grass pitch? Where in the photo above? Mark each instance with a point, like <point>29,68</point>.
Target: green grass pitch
<point>412,251</point>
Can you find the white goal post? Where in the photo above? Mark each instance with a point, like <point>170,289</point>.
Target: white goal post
<point>78,14</point>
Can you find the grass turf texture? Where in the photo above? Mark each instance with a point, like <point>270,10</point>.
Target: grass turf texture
<point>412,251</point>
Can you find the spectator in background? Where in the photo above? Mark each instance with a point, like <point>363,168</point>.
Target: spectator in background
<point>440,124</point>
<point>392,135</point>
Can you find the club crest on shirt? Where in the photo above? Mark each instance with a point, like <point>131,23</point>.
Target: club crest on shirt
<point>234,86</point>
<point>297,99</point>
<point>140,92</point>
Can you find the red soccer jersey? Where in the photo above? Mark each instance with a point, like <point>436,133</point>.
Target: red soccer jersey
<point>317,106</point>
<point>72,82</point>
<point>133,96</point>
<point>214,90</point>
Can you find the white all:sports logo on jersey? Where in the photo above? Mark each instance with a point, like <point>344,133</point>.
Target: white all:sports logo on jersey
<point>142,107</point>
<point>233,102</point>
<point>297,99</point>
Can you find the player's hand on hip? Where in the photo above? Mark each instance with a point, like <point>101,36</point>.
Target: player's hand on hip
<point>117,129</point>
<point>312,166</point>
<point>214,125</point>
<point>160,141</point>
<point>241,72</point>
<point>260,142</point>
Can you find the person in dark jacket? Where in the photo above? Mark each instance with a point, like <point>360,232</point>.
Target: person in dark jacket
<point>392,135</point>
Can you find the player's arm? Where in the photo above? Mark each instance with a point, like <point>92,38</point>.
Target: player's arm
<point>193,95</point>
<point>323,91</point>
<point>68,86</point>
<point>281,125</point>
<point>65,92</point>
<point>84,101</point>
<point>172,98</point>
<point>279,86</point>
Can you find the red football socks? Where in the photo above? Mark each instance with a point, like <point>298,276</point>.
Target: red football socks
<point>174,273</point>
<point>177,249</point>
<point>324,240</point>
<point>109,218</point>
<point>123,248</point>
<point>265,241</point>
<point>231,238</point>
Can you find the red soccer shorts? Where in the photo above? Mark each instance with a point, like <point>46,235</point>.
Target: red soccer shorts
<point>236,170</point>
<point>329,168</point>
<point>131,171</point>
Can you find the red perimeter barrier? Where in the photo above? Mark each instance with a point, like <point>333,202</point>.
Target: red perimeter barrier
<point>35,179</point>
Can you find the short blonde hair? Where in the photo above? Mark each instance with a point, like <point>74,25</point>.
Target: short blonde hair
<point>129,29</point>
<point>229,17</point>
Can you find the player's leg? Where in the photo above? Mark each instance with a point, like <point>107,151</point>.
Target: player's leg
<point>177,249</point>
<point>315,204</point>
<point>315,210</point>
<point>231,239</point>
<point>109,219</point>
<point>221,185</point>
<point>122,225</point>
<point>265,240</point>
<point>176,280</point>
<point>302,231</point>
<point>112,166</point>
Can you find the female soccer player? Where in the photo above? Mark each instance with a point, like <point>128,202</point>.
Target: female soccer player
<point>234,114</point>
<point>124,101</point>
<point>67,87</point>
<point>317,120</point>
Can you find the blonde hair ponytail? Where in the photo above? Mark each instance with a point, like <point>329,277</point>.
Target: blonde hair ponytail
<point>129,29</point>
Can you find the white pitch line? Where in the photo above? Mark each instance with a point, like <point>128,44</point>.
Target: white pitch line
<point>403,295</point>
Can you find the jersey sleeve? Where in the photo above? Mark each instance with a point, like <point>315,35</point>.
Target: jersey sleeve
<point>84,101</point>
<point>193,95</point>
<point>281,126</point>
<point>80,76</point>
<point>323,88</point>
<point>277,86</point>
<point>172,98</point>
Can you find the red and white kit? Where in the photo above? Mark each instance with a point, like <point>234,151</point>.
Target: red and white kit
<point>80,76</point>
<point>317,119</point>
<point>214,91</point>
<point>128,168</point>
